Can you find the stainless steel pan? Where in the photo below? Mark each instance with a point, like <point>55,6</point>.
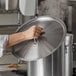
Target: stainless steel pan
<point>27,7</point>
<point>54,33</point>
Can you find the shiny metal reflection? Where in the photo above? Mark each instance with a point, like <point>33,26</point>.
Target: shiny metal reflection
<point>52,38</point>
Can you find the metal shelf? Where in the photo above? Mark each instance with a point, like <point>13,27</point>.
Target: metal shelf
<point>2,11</point>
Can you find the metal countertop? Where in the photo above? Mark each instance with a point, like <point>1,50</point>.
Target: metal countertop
<point>9,73</point>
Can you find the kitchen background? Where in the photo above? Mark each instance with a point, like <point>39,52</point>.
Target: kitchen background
<point>10,20</point>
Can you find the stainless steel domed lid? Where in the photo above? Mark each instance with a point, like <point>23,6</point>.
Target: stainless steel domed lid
<point>54,33</point>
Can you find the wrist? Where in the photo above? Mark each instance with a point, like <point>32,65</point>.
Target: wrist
<point>24,35</point>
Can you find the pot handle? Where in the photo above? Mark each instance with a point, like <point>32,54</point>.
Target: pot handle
<point>36,40</point>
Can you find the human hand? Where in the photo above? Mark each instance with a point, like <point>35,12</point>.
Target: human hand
<point>32,32</point>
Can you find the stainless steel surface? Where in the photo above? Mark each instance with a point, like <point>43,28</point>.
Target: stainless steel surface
<point>8,73</point>
<point>49,66</point>
<point>11,4</point>
<point>27,7</point>
<point>8,4</point>
<point>54,34</point>
<point>70,12</point>
<point>57,64</point>
<point>42,67</point>
<point>69,55</point>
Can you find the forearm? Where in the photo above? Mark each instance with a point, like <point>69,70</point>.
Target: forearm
<point>16,38</point>
<point>33,32</point>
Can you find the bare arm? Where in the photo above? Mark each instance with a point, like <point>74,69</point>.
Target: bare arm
<point>33,32</point>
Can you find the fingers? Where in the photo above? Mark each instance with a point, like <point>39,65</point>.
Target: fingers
<point>38,28</point>
<point>37,31</point>
<point>32,32</point>
<point>37,35</point>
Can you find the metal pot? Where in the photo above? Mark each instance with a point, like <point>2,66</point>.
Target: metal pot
<point>8,4</point>
<point>60,63</point>
<point>54,33</point>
